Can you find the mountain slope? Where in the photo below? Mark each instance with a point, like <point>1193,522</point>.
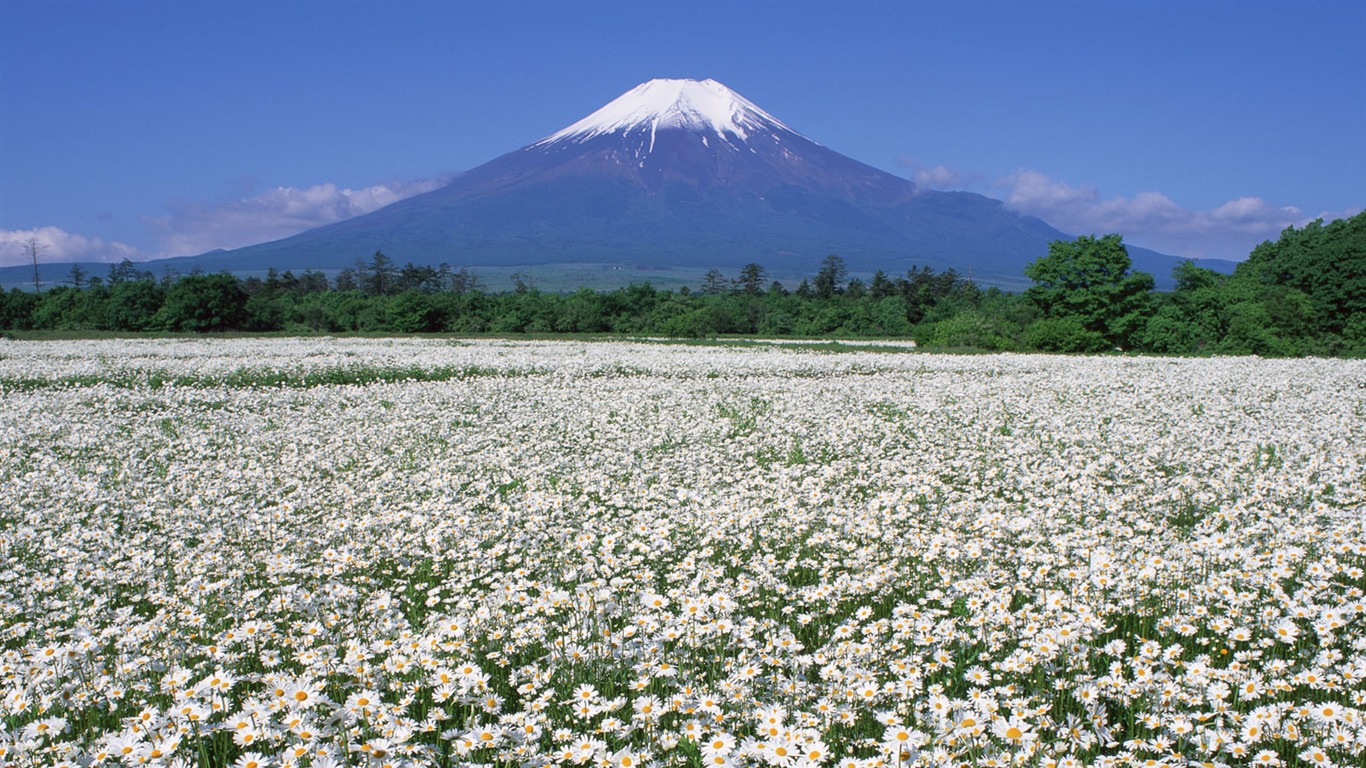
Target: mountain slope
<point>676,173</point>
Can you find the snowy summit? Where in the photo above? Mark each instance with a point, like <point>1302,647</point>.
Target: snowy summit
<point>679,173</point>
<point>704,105</point>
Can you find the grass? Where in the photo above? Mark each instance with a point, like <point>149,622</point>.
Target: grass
<point>265,379</point>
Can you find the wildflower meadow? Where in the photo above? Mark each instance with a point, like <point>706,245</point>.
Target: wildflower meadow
<point>425,552</point>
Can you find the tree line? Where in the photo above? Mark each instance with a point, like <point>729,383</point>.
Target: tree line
<point>1304,294</point>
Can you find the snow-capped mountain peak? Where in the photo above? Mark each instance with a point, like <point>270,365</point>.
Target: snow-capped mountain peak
<point>704,105</point>
<point>677,173</point>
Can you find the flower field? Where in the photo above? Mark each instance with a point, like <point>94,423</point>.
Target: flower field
<point>617,555</point>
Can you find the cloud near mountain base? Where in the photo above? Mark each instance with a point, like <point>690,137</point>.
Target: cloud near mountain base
<point>1153,220</point>
<point>940,178</point>
<point>1150,219</point>
<point>192,228</point>
<point>57,245</point>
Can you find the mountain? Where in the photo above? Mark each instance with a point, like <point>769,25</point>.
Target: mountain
<point>677,174</point>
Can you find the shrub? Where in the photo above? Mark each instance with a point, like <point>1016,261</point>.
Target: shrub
<point>1063,334</point>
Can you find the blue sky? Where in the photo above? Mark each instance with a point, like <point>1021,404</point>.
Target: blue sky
<point>148,129</point>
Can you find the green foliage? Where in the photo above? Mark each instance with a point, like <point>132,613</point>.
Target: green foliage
<point>1354,335</point>
<point>1193,317</point>
<point>830,279</point>
<point>889,317</point>
<point>126,271</point>
<point>751,280</point>
<point>1302,295</point>
<point>1063,334</point>
<point>249,378</point>
<point>203,303</point>
<point>413,312</point>
<point>1252,331</point>
<point>1325,264</point>
<point>66,308</point>
<point>581,312</point>
<point>1088,281</point>
<point>968,329</point>
<point>16,311</point>
<point>131,304</point>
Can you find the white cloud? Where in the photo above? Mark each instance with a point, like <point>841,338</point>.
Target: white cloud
<point>939,177</point>
<point>193,228</point>
<point>57,245</point>
<point>1153,220</point>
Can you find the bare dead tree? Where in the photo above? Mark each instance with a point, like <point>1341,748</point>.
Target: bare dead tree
<point>32,248</point>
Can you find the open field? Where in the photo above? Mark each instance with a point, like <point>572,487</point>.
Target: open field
<point>385,552</point>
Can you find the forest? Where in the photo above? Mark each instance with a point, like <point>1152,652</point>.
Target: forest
<point>1301,295</point>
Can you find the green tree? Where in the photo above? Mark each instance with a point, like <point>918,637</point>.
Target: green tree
<point>714,282</point>
<point>309,313</point>
<point>16,313</point>
<point>1190,318</point>
<point>383,276</point>
<point>829,280</point>
<point>1062,334</point>
<point>414,312</point>
<point>421,278</point>
<point>581,312</point>
<point>67,308</point>
<point>311,281</point>
<point>1325,263</point>
<point>1087,280</point>
<point>1354,335</point>
<point>203,303</point>
<point>967,329</point>
<point>751,280</point>
<point>125,270</point>
<point>346,280</point>
<point>132,304</point>
<point>889,314</point>
<point>881,287</point>
<point>463,281</point>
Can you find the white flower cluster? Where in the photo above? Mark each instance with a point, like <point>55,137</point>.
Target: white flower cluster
<point>619,555</point>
